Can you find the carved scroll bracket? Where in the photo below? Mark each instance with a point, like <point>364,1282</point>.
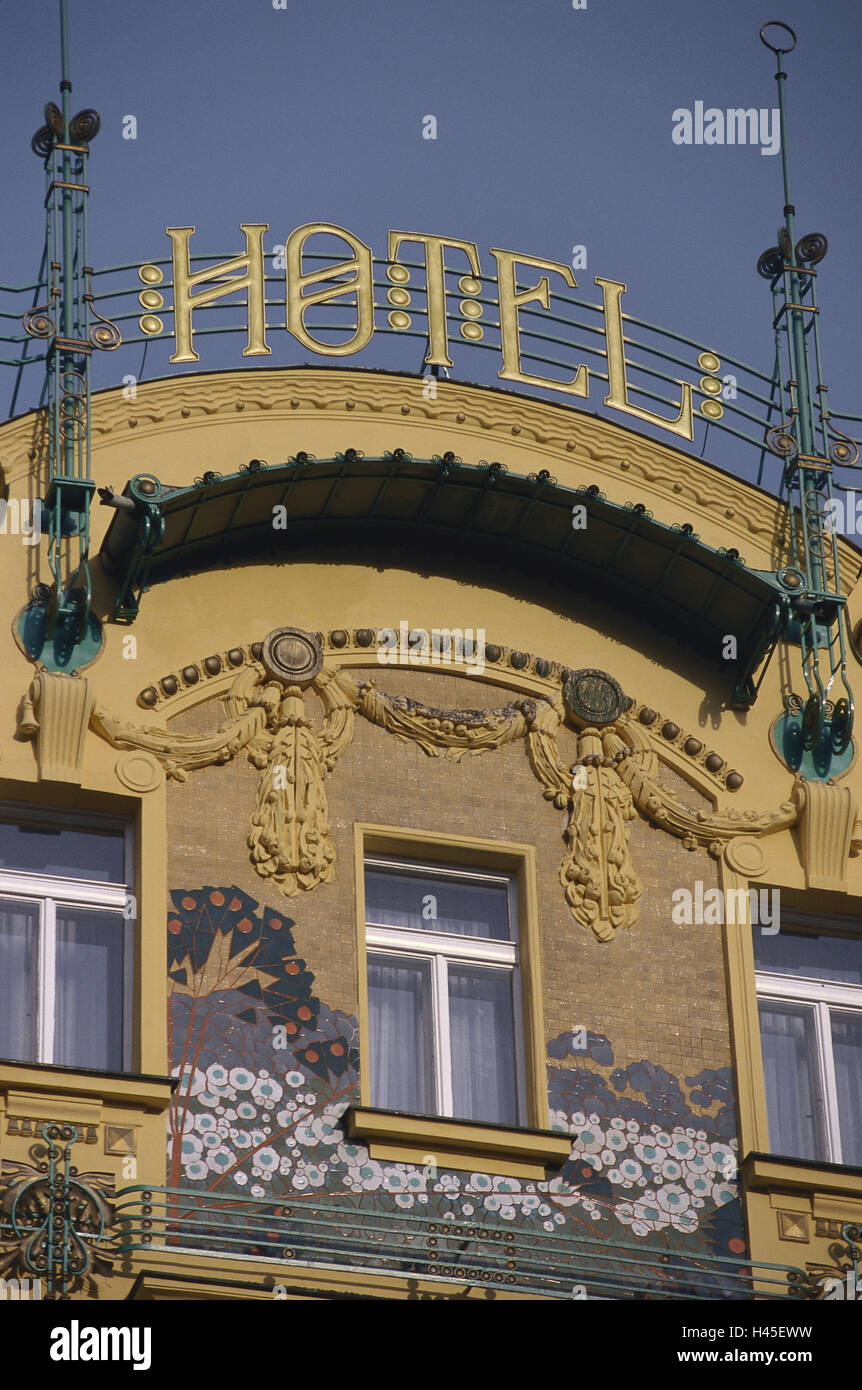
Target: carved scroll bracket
<point>56,712</point>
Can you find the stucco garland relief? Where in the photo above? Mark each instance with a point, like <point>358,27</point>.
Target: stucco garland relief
<point>612,780</point>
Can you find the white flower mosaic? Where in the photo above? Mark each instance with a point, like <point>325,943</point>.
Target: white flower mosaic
<point>663,1179</point>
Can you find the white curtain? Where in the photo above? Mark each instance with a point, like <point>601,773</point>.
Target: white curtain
<point>481,1024</point>
<point>400,1034</point>
<point>847,1049</point>
<point>88,1015</point>
<point>787,1038</point>
<point>19,961</point>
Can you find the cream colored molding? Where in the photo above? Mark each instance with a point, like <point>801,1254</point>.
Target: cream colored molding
<point>827,816</point>
<point>528,675</point>
<point>28,1084</point>
<point>161,1273</point>
<point>289,840</point>
<point>605,447</point>
<point>506,855</point>
<point>710,830</point>
<point>746,856</point>
<point>764,1172</point>
<point>453,1143</point>
<point>742,1005</point>
<point>56,711</point>
<point>446,733</point>
<point>601,885</point>
<point>139,771</point>
<point>572,441</point>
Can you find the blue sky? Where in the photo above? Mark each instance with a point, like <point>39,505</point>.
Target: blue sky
<point>553,130</point>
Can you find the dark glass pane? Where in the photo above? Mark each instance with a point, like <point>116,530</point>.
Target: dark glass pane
<point>88,1017</point>
<point>62,851</point>
<point>19,985</point>
<point>428,903</point>
<point>819,957</point>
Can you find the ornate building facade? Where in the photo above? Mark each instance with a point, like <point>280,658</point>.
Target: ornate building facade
<point>430,836</point>
<point>398,906</point>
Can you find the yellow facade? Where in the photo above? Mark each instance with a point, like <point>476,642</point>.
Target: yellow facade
<point>697,793</point>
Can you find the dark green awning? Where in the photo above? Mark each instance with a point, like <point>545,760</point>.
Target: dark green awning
<point>427,507</point>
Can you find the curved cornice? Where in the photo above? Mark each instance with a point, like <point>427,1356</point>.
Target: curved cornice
<point>575,446</point>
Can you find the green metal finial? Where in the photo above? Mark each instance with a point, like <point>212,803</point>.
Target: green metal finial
<point>814,735</point>
<point>57,627</point>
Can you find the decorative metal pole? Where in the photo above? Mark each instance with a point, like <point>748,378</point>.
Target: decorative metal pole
<point>57,627</point>
<point>814,735</point>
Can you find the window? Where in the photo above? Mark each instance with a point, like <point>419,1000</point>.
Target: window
<point>65,943</point>
<point>444,996</point>
<point>809,988</point>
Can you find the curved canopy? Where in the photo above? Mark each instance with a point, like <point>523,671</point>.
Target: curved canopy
<point>664,574</point>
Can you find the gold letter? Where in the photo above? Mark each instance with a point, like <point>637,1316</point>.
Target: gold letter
<point>511,299</point>
<point>618,397</point>
<point>435,285</point>
<point>297,303</point>
<point>252,265</point>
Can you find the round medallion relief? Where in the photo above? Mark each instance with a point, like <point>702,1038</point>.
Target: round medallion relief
<point>140,772</point>
<point>292,656</point>
<point>745,854</point>
<point>594,697</point>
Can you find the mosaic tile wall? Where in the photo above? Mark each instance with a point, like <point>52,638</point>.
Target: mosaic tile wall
<point>267,1070</point>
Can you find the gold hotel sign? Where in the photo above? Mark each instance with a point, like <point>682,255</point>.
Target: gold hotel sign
<point>353,277</point>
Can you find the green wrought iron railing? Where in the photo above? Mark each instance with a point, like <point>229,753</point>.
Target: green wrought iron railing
<point>347,1232</point>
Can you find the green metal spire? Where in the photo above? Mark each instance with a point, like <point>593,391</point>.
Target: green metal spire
<point>814,734</point>
<point>57,627</point>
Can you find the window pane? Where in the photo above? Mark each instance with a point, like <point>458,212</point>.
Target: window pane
<point>836,958</point>
<point>19,964</point>
<point>847,1047</point>
<point>481,1023</point>
<point>62,851</point>
<point>790,1073</point>
<point>428,903</point>
<point>400,1034</point>
<point>88,1017</point>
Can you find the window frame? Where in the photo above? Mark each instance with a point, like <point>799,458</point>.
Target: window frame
<point>820,996</point>
<point>467,853</point>
<point>443,949</point>
<point>48,892</point>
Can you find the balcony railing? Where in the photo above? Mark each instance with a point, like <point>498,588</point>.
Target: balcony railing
<point>338,1233</point>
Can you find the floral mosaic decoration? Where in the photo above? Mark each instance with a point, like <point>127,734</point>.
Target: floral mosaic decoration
<point>267,1070</point>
